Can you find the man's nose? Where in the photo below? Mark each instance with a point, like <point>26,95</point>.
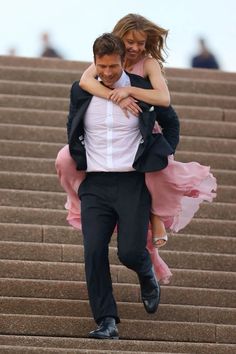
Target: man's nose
<point>107,72</point>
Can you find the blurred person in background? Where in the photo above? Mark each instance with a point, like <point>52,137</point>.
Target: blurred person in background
<point>48,50</point>
<point>205,59</point>
<point>12,52</point>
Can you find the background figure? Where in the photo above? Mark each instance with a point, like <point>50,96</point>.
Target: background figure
<point>205,59</point>
<point>12,52</point>
<point>48,50</point>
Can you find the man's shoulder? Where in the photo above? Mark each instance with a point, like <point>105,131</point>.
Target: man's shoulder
<point>139,81</point>
<point>78,92</point>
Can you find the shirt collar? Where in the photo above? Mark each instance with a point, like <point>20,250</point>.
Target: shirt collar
<point>123,81</point>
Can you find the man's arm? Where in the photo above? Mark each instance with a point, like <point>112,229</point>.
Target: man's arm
<point>169,122</point>
<point>73,106</point>
<point>77,97</point>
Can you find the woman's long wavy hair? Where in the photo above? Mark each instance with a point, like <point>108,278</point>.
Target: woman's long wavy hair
<point>156,36</point>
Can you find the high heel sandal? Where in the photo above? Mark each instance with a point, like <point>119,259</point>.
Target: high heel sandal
<point>159,242</point>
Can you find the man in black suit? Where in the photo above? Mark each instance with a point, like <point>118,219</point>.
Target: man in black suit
<point>115,152</point>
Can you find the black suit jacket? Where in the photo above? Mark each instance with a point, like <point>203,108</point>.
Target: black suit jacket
<point>153,150</point>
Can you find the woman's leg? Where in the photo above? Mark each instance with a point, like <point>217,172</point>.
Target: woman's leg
<point>159,236</point>
<point>70,180</point>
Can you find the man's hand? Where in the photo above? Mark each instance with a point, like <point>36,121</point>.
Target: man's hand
<point>129,104</point>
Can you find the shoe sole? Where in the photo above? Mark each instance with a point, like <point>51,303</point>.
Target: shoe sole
<point>101,337</point>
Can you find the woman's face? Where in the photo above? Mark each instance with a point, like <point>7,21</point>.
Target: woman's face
<point>135,42</point>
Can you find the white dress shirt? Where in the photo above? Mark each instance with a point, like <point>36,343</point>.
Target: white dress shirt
<point>111,139</point>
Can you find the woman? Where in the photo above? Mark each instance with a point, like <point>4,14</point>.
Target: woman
<point>178,184</point>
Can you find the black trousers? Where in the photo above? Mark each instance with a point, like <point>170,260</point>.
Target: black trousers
<point>109,199</point>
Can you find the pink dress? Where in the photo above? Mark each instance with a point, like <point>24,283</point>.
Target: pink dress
<point>176,192</point>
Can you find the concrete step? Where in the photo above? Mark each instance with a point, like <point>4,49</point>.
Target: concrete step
<point>58,118</point>
<point>72,71</point>
<point>23,62</point>
<point>43,252</point>
<point>226,179</point>
<point>50,150</point>
<point>58,218</point>
<point>207,74</point>
<point>22,164</point>
<point>47,166</point>
<point>28,350</point>
<point>203,244</point>
<point>158,330</point>
<point>48,63</point>
<point>123,292</point>
<point>189,128</point>
<point>208,129</point>
<point>10,115</point>
<point>34,89</point>
<point>33,216</point>
<point>40,75</point>
<point>81,308</point>
<point>46,103</point>
<point>205,100</point>
<point>56,200</point>
<point>30,181</point>
<point>71,266</point>
<point>58,104</point>
<point>201,144</point>
<point>199,86</point>
<point>22,116</point>
<point>135,346</point>
<point>24,350</point>
<point>24,215</point>
<point>33,133</point>
<point>211,227</point>
<point>67,235</point>
<point>211,87</point>
<point>215,161</point>
<point>193,137</point>
<point>226,211</point>
<point>54,63</point>
<point>205,113</point>
<point>30,149</point>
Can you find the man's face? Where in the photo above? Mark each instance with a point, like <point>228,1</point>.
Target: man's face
<point>109,68</point>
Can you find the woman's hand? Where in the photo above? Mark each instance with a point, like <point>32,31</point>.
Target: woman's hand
<point>129,104</point>
<point>119,94</point>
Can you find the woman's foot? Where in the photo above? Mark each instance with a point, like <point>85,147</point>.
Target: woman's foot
<point>159,241</point>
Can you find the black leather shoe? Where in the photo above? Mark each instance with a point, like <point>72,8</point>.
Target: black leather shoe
<point>150,291</point>
<point>106,330</point>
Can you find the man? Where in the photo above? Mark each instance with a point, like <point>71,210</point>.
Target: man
<point>115,151</point>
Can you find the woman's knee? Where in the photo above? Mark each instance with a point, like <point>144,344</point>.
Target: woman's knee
<point>64,159</point>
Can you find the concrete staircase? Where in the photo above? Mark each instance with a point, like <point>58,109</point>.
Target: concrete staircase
<point>44,307</point>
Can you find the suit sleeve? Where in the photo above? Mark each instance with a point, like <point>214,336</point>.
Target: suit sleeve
<point>169,122</point>
<point>73,107</point>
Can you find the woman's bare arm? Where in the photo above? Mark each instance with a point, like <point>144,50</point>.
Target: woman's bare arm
<point>93,86</point>
<point>158,96</point>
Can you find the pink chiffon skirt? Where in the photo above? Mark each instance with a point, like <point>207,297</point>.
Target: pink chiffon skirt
<point>176,192</point>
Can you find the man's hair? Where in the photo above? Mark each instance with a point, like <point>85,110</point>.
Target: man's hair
<point>108,44</point>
